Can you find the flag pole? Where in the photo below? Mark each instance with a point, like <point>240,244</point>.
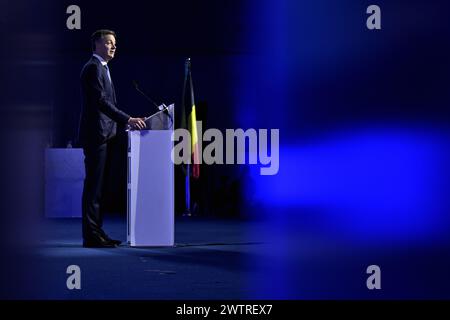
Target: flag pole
<point>188,192</point>
<point>187,186</point>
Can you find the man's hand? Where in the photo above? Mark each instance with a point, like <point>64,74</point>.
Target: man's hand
<point>137,123</point>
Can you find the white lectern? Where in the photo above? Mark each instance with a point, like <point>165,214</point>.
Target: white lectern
<point>151,182</point>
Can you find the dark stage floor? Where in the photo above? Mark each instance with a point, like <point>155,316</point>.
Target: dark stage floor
<point>231,259</point>
<point>206,263</point>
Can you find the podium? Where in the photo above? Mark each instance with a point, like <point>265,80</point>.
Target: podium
<point>150,194</point>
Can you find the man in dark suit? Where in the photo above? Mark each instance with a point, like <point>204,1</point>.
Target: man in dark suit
<point>98,124</point>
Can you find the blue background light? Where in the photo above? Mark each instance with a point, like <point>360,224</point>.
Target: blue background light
<point>364,139</point>
<point>380,183</point>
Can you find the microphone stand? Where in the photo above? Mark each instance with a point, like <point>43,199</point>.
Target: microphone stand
<point>164,108</point>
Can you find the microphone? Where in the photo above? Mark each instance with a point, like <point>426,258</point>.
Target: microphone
<point>162,107</point>
<point>136,86</point>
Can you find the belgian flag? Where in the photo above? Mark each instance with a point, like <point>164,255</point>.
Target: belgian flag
<point>189,120</point>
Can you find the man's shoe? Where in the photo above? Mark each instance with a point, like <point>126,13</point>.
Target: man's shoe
<point>116,242</point>
<point>98,242</point>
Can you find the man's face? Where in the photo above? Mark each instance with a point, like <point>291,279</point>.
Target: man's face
<point>106,47</point>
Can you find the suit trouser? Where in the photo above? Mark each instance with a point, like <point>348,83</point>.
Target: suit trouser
<point>95,160</point>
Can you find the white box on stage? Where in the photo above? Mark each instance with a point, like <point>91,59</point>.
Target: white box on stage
<point>64,176</point>
<point>150,198</point>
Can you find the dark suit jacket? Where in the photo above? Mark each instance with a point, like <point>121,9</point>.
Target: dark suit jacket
<point>99,114</point>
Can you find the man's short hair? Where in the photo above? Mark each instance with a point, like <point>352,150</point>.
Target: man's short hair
<point>99,34</point>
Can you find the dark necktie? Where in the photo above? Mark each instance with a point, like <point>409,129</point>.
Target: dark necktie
<point>107,71</point>
<point>110,81</point>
